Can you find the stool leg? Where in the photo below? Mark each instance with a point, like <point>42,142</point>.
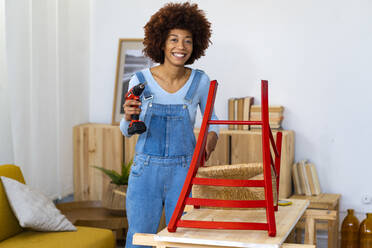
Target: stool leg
<point>298,235</point>
<point>332,234</point>
<point>310,233</point>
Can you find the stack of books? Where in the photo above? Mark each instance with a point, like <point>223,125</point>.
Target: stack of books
<point>305,179</point>
<point>239,110</point>
<point>275,116</point>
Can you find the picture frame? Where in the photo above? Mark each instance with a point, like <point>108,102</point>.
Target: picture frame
<point>130,59</point>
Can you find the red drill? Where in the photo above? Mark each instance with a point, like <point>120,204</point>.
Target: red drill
<point>135,126</point>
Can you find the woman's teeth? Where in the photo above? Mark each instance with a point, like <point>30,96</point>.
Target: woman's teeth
<point>179,55</point>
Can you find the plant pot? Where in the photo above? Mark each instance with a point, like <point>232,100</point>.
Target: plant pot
<point>114,199</point>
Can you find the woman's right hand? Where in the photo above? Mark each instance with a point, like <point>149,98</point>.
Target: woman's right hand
<point>131,107</point>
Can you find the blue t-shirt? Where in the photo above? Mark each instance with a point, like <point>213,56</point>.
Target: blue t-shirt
<point>160,96</point>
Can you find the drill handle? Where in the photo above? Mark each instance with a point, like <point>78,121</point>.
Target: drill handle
<point>135,117</point>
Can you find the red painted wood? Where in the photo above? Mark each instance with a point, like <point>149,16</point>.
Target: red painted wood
<point>279,137</point>
<point>228,182</point>
<point>222,225</point>
<point>273,144</point>
<point>226,203</point>
<point>266,159</point>
<point>223,122</point>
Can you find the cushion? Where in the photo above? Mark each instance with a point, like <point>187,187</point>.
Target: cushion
<point>33,209</point>
<point>9,225</point>
<point>84,237</point>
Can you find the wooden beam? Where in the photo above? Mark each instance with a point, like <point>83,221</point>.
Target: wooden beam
<point>149,240</point>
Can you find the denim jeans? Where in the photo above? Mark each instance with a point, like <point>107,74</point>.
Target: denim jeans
<point>163,156</point>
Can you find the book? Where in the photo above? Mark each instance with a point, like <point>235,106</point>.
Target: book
<point>303,178</point>
<point>257,115</point>
<point>310,178</point>
<point>248,102</point>
<point>240,112</point>
<point>315,178</point>
<point>235,112</point>
<point>272,108</point>
<point>296,179</point>
<point>231,111</point>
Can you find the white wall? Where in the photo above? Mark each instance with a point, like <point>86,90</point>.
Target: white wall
<point>316,55</point>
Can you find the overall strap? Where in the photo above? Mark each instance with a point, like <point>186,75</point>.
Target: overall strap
<point>146,92</point>
<point>194,86</point>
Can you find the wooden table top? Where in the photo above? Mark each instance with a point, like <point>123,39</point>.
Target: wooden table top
<point>286,219</point>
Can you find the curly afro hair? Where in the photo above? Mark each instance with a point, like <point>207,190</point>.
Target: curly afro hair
<point>185,16</point>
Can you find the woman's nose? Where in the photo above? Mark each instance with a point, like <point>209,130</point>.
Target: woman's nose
<point>180,44</point>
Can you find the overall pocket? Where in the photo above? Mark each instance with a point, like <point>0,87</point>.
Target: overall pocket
<point>181,139</point>
<point>136,169</point>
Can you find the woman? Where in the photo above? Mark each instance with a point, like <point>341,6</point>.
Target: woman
<point>175,36</point>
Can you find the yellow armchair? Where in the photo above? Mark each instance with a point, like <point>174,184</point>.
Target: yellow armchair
<point>13,236</point>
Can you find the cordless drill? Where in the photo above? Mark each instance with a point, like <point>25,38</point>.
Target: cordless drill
<point>135,126</point>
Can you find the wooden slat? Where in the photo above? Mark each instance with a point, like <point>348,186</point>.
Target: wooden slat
<point>228,182</point>
<point>320,214</point>
<point>321,201</point>
<point>222,225</point>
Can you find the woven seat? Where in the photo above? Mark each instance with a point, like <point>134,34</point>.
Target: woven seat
<point>251,171</point>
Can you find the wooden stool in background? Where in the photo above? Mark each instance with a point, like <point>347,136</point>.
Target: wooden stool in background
<point>325,202</point>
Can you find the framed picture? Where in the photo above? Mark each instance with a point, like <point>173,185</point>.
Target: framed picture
<point>130,60</point>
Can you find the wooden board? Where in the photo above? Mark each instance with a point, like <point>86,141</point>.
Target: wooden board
<point>129,148</point>
<point>286,219</point>
<point>149,240</point>
<point>246,147</point>
<point>100,145</point>
<point>321,201</point>
<point>220,155</point>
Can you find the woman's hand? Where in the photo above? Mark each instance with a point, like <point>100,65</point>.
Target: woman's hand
<point>211,144</point>
<point>131,107</point>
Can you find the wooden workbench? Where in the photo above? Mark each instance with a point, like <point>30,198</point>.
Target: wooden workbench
<point>286,219</point>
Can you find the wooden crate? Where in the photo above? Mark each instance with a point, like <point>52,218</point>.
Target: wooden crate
<point>95,144</point>
<point>220,155</point>
<point>246,147</point>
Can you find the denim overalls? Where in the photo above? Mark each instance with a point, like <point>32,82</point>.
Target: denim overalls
<point>163,156</point>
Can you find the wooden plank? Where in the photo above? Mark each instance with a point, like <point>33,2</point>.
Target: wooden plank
<point>149,240</point>
<point>320,214</point>
<point>321,201</point>
<point>246,147</point>
<point>220,155</point>
<point>286,218</point>
<point>129,148</point>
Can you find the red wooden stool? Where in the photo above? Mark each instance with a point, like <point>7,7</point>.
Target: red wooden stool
<point>199,158</point>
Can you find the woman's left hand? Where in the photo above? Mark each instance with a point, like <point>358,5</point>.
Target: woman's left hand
<point>211,144</point>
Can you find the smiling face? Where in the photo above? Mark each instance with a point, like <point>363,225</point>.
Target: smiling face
<point>178,47</point>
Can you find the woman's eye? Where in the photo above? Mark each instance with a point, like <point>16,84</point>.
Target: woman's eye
<point>189,41</point>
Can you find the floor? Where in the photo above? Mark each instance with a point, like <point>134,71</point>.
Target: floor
<point>120,244</point>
